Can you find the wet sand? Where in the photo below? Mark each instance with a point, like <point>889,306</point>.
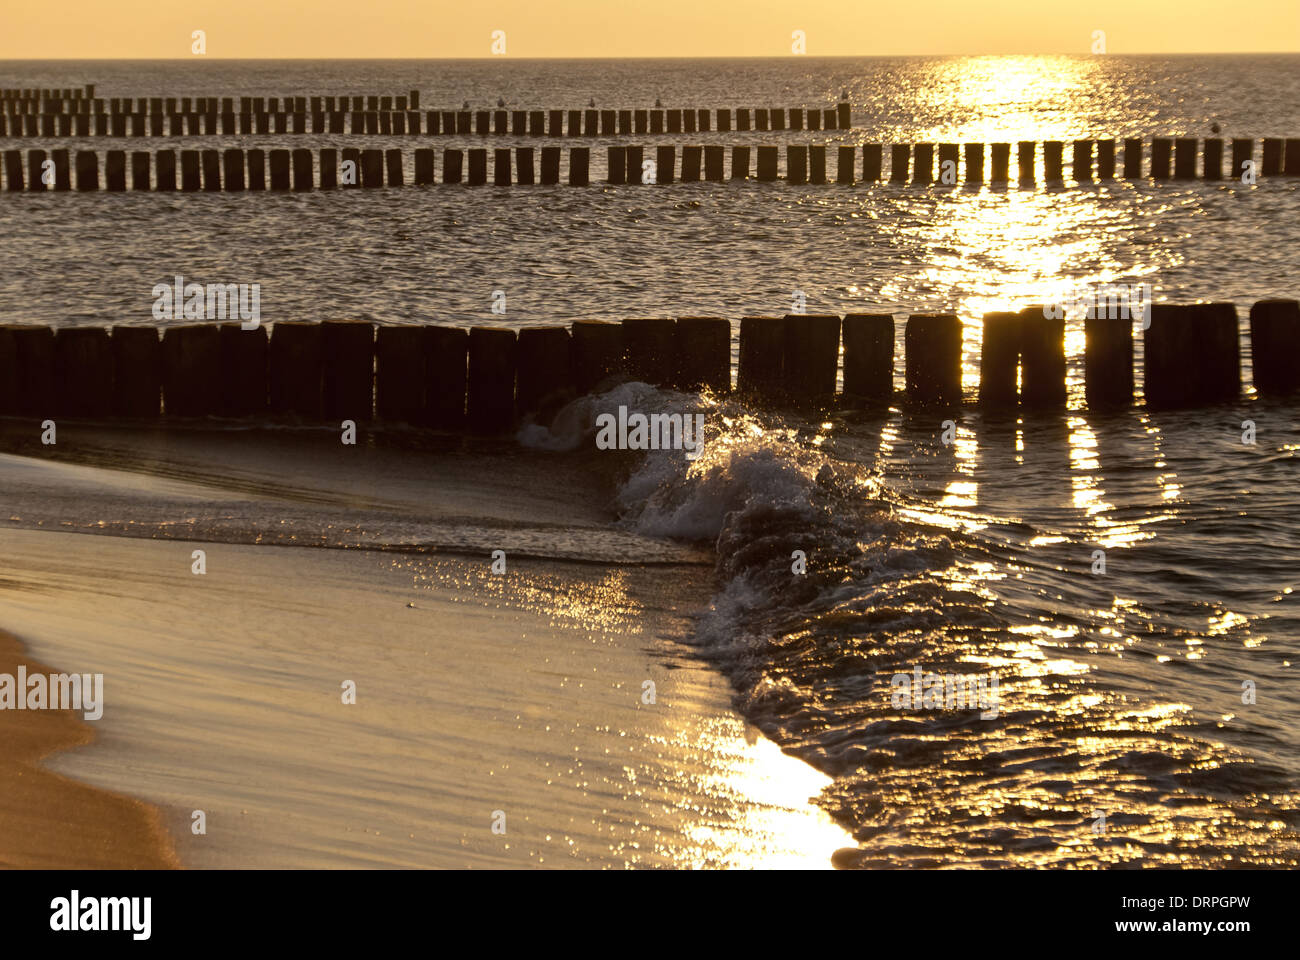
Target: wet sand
<point>48,821</point>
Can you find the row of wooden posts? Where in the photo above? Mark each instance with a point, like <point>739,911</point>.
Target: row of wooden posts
<point>235,169</point>
<point>486,379</point>
<point>403,122</point>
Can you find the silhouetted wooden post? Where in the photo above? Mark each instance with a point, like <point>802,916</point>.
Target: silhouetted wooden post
<point>83,372</point>
<point>1132,159</point>
<point>999,359</point>
<point>1271,166</point>
<point>297,369</point>
<point>1243,151</point>
<point>477,167</point>
<point>1042,358</point>
<point>817,163</point>
<point>796,163</point>
<point>869,356</point>
<point>1191,355</point>
<point>1291,158</point>
<point>724,120</point>
<point>423,166</point>
<point>1275,346</point>
<point>14,170</point>
<point>115,172</point>
<point>501,167</point>
<point>211,162</point>
<point>899,158</point>
<point>491,379</point>
<point>1025,159</point>
<point>714,158</point>
<point>635,164</point>
<point>447,376</point>
<point>524,172</point>
<point>740,163</point>
<point>191,371</point>
<point>245,364</point>
<point>1053,167</point>
<point>702,347</point>
<point>87,170</point>
<point>665,163</point>
<point>761,371</point>
<point>1108,359</point>
<point>140,163</point>
<point>544,378</point>
<point>233,160</point>
<point>767,163</point>
<point>394,167</point>
<point>452,161</point>
<point>812,348</point>
<point>401,356</point>
<point>550,165</point>
<point>948,155</point>
<point>844,165</point>
<point>872,167</point>
<point>137,372</point>
<point>597,353</point>
<point>932,358</point>
<point>536,125</point>
<point>165,170</point>
<point>1105,159</point>
<point>579,164</point>
<point>190,172</point>
<point>650,345</point>
<point>922,163</point>
<point>1081,166</point>
<point>692,157</point>
<point>1000,154</point>
<point>974,153</point>
<point>1161,155</point>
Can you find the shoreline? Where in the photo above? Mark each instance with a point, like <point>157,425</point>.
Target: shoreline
<point>51,821</point>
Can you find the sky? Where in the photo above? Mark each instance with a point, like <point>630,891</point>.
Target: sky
<point>276,29</point>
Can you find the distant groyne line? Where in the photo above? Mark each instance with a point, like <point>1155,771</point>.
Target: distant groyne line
<point>486,379</point>
<point>236,169</point>
<point>384,115</point>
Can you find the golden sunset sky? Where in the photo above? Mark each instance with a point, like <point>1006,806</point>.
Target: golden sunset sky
<point>147,29</point>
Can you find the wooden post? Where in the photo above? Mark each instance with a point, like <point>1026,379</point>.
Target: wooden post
<point>501,167</point>
<point>948,155</point>
<point>1053,166</point>
<point>740,163</point>
<point>1161,154</point>
<point>1108,359</point>
<point>761,371</point>
<point>451,165</point>
<point>302,172</point>
<point>1081,166</point>
<point>844,165</point>
<point>191,371</point>
<point>812,349</point>
<point>297,369</point>
<point>1191,355</point>
<point>714,157</point>
<point>372,173</point>
<point>869,356</point>
<point>1243,151</point>
<point>691,163</point>
<point>665,163</point>
<point>703,353</point>
<point>899,158</point>
<point>115,170</point>
<point>244,370</point>
<point>1272,160</point>
<point>871,162</point>
<point>491,379</point>
<point>650,345</point>
<point>1275,346</point>
<point>1000,154</point>
<point>446,362</point>
<point>1212,159</point>
<point>524,171</point>
<point>1132,159</point>
<point>477,167</point>
<point>923,163</point>
<point>597,353</point>
<point>348,348</point>
<point>817,163</point>
<point>796,163</point>
<point>83,372</point>
<point>400,373</point>
<point>87,170</point>
<point>932,358</point>
<point>137,371</point>
<point>579,162</point>
<point>165,170</point>
<point>1025,160</point>
<point>550,165</point>
<point>767,163</point>
<point>1042,358</point>
<point>423,166</point>
<point>974,153</point>
<point>999,359</point>
<point>544,378</point>
<point>1105,159</point>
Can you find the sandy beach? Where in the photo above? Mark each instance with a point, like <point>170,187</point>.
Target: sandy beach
<point>50,821</point>
<point>559,699</point>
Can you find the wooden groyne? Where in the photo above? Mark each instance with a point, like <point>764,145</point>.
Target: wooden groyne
<point>236,169</point>
<point>489,378</point>
<point>69,113</point>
